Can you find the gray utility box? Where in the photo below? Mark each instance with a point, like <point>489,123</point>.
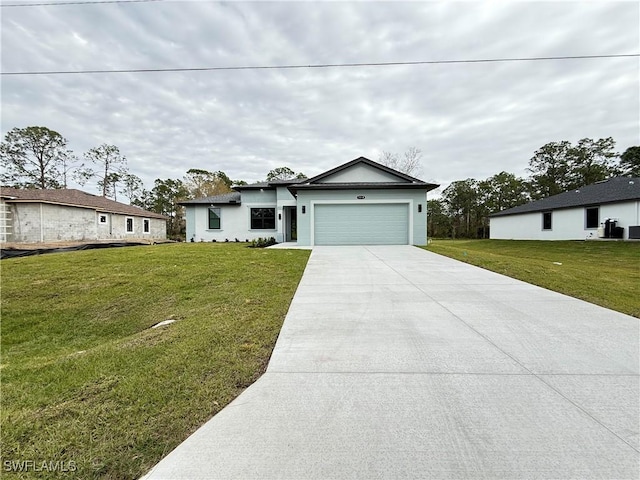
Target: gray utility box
<point>634,232</point>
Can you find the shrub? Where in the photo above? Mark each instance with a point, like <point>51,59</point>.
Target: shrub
<point>262,242</point>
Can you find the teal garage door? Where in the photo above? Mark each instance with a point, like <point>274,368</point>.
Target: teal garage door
<point>361,224</point>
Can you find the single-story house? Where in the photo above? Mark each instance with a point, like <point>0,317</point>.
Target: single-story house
<point>360,202</point>
<point>68,215</point>
<point>606,209</point>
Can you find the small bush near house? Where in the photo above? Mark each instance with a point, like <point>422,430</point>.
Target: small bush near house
<point>262,242</point>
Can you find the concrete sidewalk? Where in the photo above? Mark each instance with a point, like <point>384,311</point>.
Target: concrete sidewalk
<point>394,362</point>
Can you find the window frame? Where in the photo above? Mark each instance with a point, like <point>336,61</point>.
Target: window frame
<point>262,220</point>
<point>586,217</point>
<point>544,222</point>
<point>146,226</point>
<point>126,225</point>
<point>219,214</point>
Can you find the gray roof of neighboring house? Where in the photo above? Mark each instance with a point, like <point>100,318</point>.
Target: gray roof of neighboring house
<point>618,189</point>
<point>232,198</point>
<point>74,198</point>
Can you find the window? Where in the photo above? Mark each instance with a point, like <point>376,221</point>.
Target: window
<point>546,220</point>
<point>263,218</point>
<point>592,217</point>
<point>214,218</point>
<point>129,225</point>
<point>146,225</point>
<point>103,219</point>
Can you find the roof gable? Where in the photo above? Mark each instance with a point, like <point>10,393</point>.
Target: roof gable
<point>618,189</point>
<point>364,174</point>
<point>74,198</point>
<point>362,170</point>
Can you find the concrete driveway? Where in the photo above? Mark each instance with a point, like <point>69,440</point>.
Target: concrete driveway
<point>394,362</point>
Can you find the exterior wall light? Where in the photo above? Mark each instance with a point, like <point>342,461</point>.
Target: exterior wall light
<point>419,208</point>
<point>304,209</point>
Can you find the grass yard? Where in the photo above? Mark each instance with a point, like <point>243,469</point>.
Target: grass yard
<point>84,378</point>
<point>605,273</point>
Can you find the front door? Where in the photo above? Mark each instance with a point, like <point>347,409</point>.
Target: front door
<point>291,232</point>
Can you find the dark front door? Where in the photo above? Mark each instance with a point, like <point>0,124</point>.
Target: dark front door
<point>292,224</point>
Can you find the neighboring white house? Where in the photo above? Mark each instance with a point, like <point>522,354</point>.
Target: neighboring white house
<point>360,202</point>
<point>577,214</point>
<point>67,215</point>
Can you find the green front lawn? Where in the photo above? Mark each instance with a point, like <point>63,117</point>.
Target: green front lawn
<point>85,379</point>
<point>605,273</point>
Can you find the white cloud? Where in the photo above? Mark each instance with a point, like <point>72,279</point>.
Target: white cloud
<point>470,120</point>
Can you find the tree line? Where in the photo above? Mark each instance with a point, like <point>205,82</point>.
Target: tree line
<point>37,157</point>
<point>465,205</point>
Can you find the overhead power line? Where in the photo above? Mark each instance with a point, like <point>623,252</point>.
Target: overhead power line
<point>321,65</point>
<point>52,4</point>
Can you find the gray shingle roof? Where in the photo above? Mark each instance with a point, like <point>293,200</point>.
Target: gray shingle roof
<point>73,197</point>
<point>288,181</point>
<point>226,198</point>
<point>269,184</point>
<point>406,180</point>
<point>252,185</point>
<point>362,185</point>
<point>618,189</point>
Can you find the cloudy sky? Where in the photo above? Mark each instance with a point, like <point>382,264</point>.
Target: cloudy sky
<point>470,120</point>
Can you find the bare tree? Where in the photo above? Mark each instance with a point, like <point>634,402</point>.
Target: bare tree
<point>410,162</point>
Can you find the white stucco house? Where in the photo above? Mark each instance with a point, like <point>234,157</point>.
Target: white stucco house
<point>584,213</point>
<point>358,203</point>
<point>69,215</point>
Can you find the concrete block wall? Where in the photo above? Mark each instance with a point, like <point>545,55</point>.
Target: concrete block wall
<point>38,222</point>
<point>26,223</point>
<point>63,224</point>
<point>41,222</point>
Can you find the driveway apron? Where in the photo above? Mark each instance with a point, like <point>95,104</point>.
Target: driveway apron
<point>394,362</point>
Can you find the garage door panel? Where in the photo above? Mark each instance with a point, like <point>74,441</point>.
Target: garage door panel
<point>358,224</point>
